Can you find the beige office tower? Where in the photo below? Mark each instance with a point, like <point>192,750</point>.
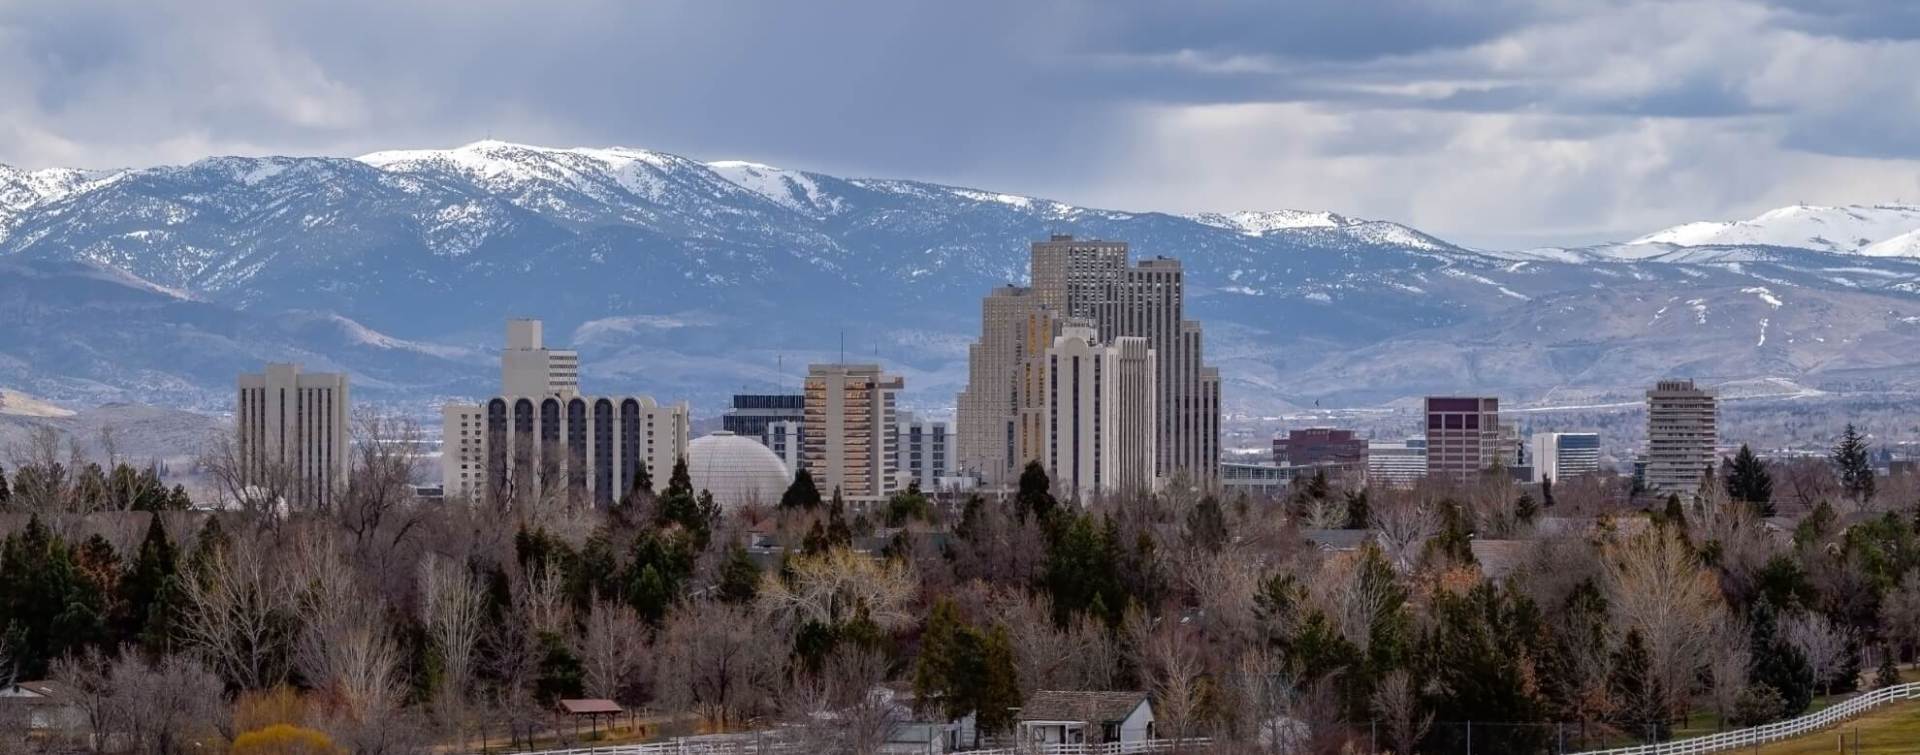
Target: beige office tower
<point>291,433</point>
<point>529,368</point>
<point>847,430</point>
<point>1091,279</point>
<point>1100,403</point>
<point>988,421</point>
<point>1682,433</point>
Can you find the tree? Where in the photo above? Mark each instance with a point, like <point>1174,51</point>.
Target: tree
<point>999,683</point>
<point>1206,528</point>
<point>1642,705</point>
<point>1656,585</point>
<point>1821,643</point>
<point>236,613</point>
<point>801,494</point>
<point>1546,492</point>
<point>1853,464</point>
<point>452,608</point>
<point>908,505</point>
<point>722,661</point>
<point>739,578</point>
<point>48,605</point>
<point>1777,663</point>
<point>1887,674</point>
<point>611,649</point>
<point>149,594</point>
<point>1035,497</point>
<point>836,587</point>
<point>936,681</point>
<point>6,493</point>
<point>1749,482</point>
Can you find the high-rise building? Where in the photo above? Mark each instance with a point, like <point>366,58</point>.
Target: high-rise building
<point>752,412</point>
<point>291,433</point>
<point>574,448</point>
<point>1396,462</point>
<point>1463,436</point>
<point>991,417</point>
<point>1321,447</point>
<point>1682,435</point>
<point>1100,404</point>
<point>1564,456</point>
<point>1090,279</point>
<point>529,368</point>
<point>783,438</point>
<point>922,451</point>
<point>551,442</point>
<point>848,431</point>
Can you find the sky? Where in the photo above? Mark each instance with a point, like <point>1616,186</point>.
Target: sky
<point>1487,122</point>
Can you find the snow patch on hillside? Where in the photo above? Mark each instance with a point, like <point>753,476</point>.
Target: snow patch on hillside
<point>788,188</point>
<point>1853,229</point>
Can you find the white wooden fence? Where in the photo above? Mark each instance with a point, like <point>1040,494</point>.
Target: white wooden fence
<point>1776,731</point>
<point>748,744</point>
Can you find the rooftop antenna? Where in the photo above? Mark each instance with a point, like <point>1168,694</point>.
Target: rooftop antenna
<point>843,345</point>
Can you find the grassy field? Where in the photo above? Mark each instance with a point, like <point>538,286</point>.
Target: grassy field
<point>1894,728</point>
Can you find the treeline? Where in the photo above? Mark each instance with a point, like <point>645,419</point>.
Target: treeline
<point>1545,616</point>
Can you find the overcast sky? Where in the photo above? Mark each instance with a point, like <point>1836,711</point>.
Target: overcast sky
<point>1491,122</point>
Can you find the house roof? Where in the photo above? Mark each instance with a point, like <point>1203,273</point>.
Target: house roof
<point>42,692</point>
<point>1093,707</point>
<point>589,707</point>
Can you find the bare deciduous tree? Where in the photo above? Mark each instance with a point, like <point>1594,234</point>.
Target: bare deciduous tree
<point>842,707</point>
<point>833,587</point>
<point>723,661</point>
<point>1404,523</point>
<point>1397,703</point>
<point>1727,666</point>
<point>1822,643</point>
<point>1168,659</point>
<point>1657,586</point>
<point>611,649</point>
<point>451,609</point>
<point>237,616</point>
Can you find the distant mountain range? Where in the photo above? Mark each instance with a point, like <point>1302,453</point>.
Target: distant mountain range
<point>688,279</point>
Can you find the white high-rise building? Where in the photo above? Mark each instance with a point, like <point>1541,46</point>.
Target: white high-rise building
<point>1564,456</point>
<point>848,430</point>
<point>529,368</point>
<point>922,451</point>
<point>783,438</point>
<point>1682,436</point>
<point>574,448</point>
<point>1396,463</point>
<point>1100,413</point>
<point>540,437</point>
<point>291,433</point>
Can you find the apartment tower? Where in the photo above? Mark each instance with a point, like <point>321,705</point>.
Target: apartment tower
<point>1682,434</point>
<point>847,434</point>
<point>291,433</point>
<point>1564,456</point>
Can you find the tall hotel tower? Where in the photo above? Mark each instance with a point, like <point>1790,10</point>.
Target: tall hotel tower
<point>1092,282</point>
<point>292,432</point>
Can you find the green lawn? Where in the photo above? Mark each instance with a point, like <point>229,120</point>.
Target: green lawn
<point>1893,728</point>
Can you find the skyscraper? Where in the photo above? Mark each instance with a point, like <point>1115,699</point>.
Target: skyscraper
<point>1463,436</point>
<point>1100,404</point>
<point>291,433</point>
<point>848,430</point>
<point>988,421</point>
<point>1682,433</point>
<point>1091,279</point>
<point>922,451</point>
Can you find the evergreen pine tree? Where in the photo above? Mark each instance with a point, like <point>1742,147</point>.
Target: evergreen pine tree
<point>739,578</point>
<point>1207,525</point>
<point>178,500</point>
<point>1525,509</point>
<point>1888,673</point>
<point>1776,663</point>
<point>1637,690</point>
<point>1359,510</point>
<point>999,683</point>
<point>801,493</point>
<point>1035,496</point>
<point>839,533</point>
<point>1455,539</point>
<point>1546,492</point>
<point>1851,460</point>
<point>6,494</point>
<point>1749,482</point>
<point>935,686</point>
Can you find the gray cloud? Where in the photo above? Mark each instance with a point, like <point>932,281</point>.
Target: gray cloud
<point>1486,120</point>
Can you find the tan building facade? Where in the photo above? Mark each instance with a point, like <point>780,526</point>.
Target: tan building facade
<point>999,407</point>
<point>848,439</point>
<point>1464,436</point>
<point>291,433</point>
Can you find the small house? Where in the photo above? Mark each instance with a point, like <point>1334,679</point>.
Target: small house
<point>1063,717</point>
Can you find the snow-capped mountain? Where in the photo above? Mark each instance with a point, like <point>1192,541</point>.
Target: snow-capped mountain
<point>692,279</point>
<point>1876,231</point>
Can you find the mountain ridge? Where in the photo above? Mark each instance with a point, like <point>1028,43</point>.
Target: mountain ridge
<point>691,279</point>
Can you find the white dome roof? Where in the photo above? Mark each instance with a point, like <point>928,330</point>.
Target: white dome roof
<point>737,470</point>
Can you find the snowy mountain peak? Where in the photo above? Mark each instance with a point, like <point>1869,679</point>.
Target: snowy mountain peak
<point>20,189</point>
<point>1852,229</point>
<point>788,188</point>
<point>1257,222</point>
